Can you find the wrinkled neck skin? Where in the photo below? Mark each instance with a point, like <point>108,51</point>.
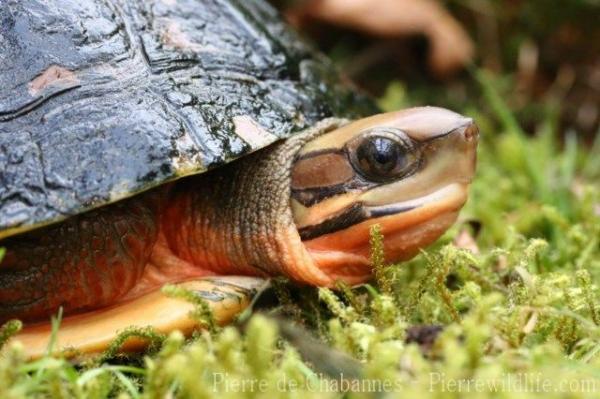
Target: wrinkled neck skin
<point>237,219</point>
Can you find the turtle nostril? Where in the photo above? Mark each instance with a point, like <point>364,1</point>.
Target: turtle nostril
<point>471,133</point>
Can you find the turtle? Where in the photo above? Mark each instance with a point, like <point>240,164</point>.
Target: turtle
<point>198,143</point>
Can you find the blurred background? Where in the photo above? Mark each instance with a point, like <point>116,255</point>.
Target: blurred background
<point>541,56</point>
<point>527,71</point>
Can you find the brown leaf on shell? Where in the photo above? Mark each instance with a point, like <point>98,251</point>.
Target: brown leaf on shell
<point>53,76</point>
<point>450,46</point>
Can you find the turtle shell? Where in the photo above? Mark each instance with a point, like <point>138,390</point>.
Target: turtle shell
<point>100,100</point>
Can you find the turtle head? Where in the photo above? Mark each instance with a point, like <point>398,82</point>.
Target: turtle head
<point>406,171</point>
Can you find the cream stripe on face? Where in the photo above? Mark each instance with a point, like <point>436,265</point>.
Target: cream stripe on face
<point>373,168</point>
<point>326,184</point>
<point>326,193</point>
<point>420,123</point>
<point>321,175</point>
<point>324,187</point>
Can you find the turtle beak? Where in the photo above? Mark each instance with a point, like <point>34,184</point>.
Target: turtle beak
<point>446,139</point>
<point>440,130</point>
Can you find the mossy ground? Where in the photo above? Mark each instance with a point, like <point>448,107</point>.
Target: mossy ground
<point>520,310</point>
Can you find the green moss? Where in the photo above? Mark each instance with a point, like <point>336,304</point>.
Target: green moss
<point>9,329</point>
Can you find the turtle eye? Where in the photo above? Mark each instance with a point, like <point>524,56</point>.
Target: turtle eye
<point>383,157</point>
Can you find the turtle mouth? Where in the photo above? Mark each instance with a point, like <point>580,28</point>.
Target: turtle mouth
<point>406,226</point>
<point>360,212</point>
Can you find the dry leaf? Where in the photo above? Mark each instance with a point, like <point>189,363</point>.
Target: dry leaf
<point>450,50</point>
<point>465,240</point>
<point>501,264</point>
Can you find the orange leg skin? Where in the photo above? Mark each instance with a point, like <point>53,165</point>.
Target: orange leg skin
<point>145,304</point>
<point>82,264</point>
<point>109,256</point>
<point>164,267</point>
<point>191,234</point>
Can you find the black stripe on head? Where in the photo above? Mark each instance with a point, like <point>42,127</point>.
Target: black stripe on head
<point>348,217</point>
<point>354,214</point>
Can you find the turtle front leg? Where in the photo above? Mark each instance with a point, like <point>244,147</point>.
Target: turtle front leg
<point>105,269</point>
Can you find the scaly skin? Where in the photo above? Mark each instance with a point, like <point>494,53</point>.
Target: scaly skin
<point>85,263</point>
